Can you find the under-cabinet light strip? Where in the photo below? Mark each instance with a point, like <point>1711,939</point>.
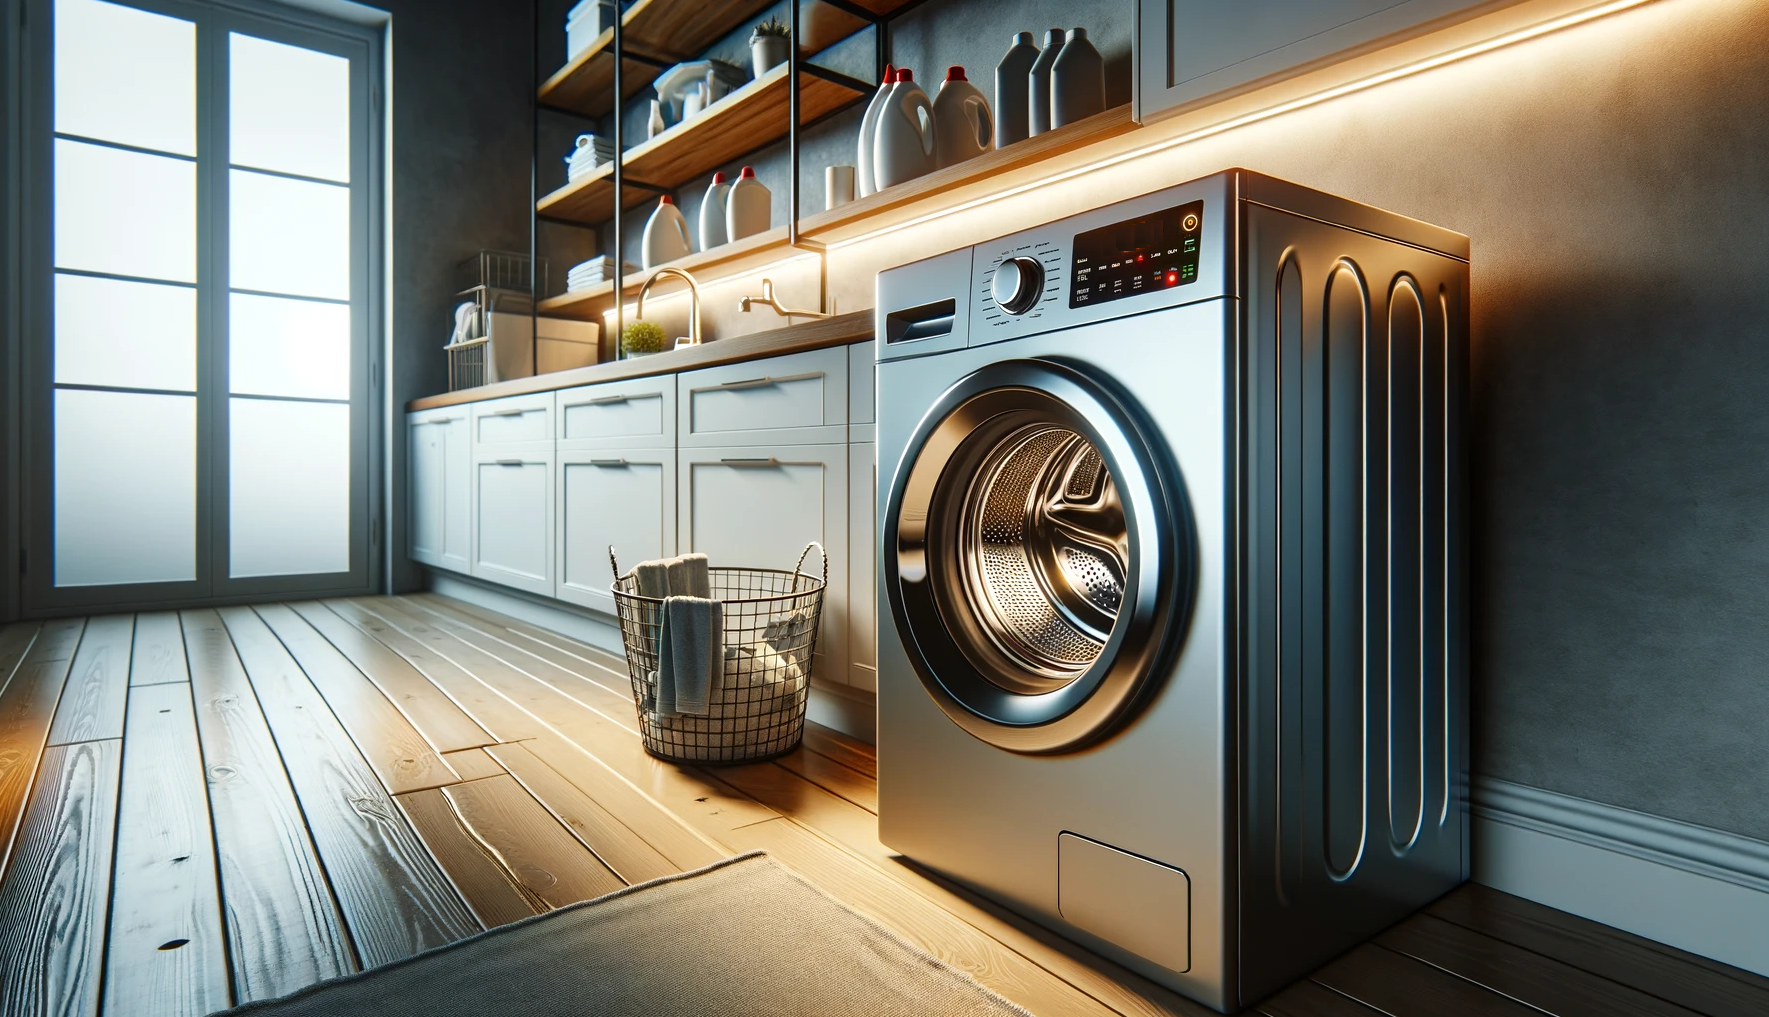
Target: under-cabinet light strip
<point>1314,98</point>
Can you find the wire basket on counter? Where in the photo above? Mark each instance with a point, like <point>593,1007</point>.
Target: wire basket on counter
<point>498,344</point>
<point>756,704</point>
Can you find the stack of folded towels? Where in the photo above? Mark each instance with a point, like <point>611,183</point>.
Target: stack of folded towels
<point>589,152</point>
<point>688,643</point>
<point>588,274</point>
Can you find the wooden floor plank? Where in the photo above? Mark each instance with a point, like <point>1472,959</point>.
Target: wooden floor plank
<point>619,847</point>
<point>1542,982</point>
<point>401,757</point>
<point>98,683</point>
<point>395,900</point>
<point>1312,999</point>
<point>1403,987</point>
<point>1696,982</point>
<point>472,764</point>
<point>283,927</point>
<point>442,720</point>
<point>495,896</point>
<point>507,627</point>
<point>856,830</point>
<point>159,650</point>
<point>380,646</point>
<point>27,706</point>
<point>850,752</point>
<point>833,777</point>
<point>15,642</point>
<point>166,956</point>
<point>53,898</point>
<point>532,845</point>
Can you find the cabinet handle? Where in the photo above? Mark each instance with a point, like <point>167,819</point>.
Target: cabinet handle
<point>599,400</point>
<point>510,462</point>
<point>747,383</point>
<point>608,462</point>
<point>768,461</point>
<point>512,412</point>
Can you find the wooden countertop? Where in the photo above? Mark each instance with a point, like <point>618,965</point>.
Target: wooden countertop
<point>812,335</point>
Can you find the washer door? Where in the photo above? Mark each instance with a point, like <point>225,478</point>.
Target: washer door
<point>1037,557</point>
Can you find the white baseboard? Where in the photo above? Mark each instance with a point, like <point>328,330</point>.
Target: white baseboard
<point>1691,887</point>
<point>853,712</point>
<point>599,630</point>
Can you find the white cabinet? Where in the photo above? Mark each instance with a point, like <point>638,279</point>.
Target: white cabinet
<point>513,517</point>
<point>800,399</point>
<point>758,506</point>
<point>622,414</point>
<point>440,494</point>
<point>1192,51</point>
<point>620,497</point>
<point>862,566</point>
<point>516,420</point>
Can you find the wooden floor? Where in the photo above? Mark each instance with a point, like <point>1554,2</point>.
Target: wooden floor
<point>204,808</point>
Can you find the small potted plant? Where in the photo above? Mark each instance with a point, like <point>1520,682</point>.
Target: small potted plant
<point>767,46</point>
<point>642,338</point>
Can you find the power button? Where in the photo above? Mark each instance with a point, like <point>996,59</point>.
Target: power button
<point>1190,222</point>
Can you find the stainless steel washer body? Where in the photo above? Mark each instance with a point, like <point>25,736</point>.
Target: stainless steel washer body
<point>1171,620</point>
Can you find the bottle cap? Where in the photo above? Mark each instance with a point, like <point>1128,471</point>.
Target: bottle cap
<point>719,177</point>
<point>665,200</point>
<point>905,74</point>
<point>748,173</point>
<point>955,74</point>
<point>890,74</point>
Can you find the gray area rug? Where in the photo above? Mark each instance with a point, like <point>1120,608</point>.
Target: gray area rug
<point>744,936</point>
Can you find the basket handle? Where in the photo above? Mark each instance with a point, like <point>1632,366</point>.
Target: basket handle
<point>798,568</point>
<point>613,564</point>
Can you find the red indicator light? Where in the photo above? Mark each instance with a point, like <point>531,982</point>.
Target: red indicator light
<point>1139,257</point>
<point>1172,277</point>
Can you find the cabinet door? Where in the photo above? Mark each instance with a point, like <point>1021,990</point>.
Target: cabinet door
<point>862,566</point>
<point>756,507</point>
<point>513,520</point>
<point>637,414</point>
<point>1190,51</point>
<point>624,497</point>
<point>438,499</point>
<point>797,399</point>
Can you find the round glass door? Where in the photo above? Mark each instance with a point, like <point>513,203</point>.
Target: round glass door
<point>1037,555</point>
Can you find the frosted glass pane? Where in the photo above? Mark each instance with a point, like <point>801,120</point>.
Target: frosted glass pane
<point>127,334</point>
<point>278,346</point>
<point>125,488</point>
<point>289,108</point>
<point>289,479</point>
<point>125,75</point>
<point>289,236</point>
<point>125,212</point>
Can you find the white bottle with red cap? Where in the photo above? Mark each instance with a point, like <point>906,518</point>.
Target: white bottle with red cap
<point>748,208</point>
<point>963,128</point>
<point>863,182</point>
<point>666,235</point>
<point>712,213</point>
<point>903,147</point>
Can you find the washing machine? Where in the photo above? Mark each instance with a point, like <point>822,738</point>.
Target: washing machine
<point>1172,620</point>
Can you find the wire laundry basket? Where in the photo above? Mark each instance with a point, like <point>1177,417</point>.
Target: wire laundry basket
<point>756,705</point>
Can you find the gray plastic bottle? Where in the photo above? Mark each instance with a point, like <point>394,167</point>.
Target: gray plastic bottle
<point>1011,77</point>
<point>1038,84</point>
<point>1077,81</point>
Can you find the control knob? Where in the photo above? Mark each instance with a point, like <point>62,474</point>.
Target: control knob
<point>1019,282</point>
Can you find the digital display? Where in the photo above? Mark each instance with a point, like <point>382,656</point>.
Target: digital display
<point>1153,252</point>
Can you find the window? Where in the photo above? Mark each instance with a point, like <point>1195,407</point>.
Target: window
<point>202,343</point>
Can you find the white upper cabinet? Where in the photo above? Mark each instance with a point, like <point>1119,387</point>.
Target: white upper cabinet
<point>440,497</point>
<point>1189,52</point>
<point>622,414</point>
<point>801,398</point>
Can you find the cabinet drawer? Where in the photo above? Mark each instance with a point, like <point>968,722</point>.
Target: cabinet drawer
<point>626,499</point>
<point>800,399</point>
<point>623,414</point>
<point>526,418</point>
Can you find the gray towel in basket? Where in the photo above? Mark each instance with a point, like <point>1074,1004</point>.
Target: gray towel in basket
<point>685,575</point>
<point>688,650</point>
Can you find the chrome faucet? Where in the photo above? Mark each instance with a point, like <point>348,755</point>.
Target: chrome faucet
<point>768,299</point>
<point>693,301</point>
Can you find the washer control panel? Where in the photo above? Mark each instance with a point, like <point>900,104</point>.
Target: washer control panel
<point>1018,284</point>
<point>1149,252</point>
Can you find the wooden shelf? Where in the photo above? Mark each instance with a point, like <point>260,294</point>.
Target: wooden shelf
<point>590,304</point>
<point>925,193</point>
<point>656,34</point>
<point>590,198</point>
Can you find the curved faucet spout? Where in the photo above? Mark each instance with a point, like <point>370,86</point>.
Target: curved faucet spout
<point>768,299</point>
<point>693,299</point>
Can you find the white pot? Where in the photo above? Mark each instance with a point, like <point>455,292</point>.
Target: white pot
<point>767,52</point>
